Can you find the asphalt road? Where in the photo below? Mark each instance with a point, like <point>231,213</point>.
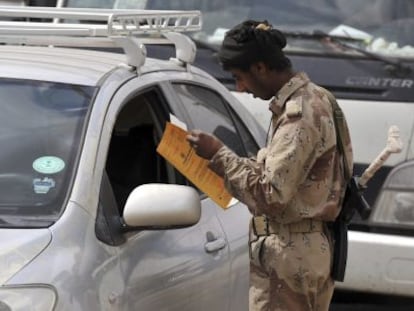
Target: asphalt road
<point>365,307</point>
<point>358,301</point>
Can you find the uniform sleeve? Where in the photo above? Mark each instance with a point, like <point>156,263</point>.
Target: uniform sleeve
<point>271,184</point>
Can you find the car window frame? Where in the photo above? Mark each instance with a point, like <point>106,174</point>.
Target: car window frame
<point>236,119</point>
<point>107,230</point>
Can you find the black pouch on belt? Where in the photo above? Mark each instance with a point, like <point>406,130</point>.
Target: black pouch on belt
<point>340,254</point>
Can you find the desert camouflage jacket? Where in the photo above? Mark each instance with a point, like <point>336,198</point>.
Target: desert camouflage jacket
<point>299,174</point>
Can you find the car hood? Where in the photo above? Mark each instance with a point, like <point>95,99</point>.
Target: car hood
<point>18,247</point>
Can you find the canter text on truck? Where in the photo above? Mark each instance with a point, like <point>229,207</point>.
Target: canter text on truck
<point>379,82</point>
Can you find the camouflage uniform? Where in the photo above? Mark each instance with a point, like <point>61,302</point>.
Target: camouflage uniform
<point>293,188</point>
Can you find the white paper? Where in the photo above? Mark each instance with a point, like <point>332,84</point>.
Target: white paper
<point>177,122</point>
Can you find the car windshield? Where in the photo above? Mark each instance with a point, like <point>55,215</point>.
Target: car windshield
<point>380,26</point>
<point>40,133</point>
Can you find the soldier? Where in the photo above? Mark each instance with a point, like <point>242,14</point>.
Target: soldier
<point>295,185</point>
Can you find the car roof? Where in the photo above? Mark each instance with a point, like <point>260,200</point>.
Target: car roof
<point>68,65</point>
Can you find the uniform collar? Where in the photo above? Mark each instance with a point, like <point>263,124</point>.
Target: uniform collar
<point>296,82</point>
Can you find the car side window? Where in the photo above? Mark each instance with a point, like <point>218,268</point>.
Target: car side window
<point>211,113</point>
<point>132,159</point>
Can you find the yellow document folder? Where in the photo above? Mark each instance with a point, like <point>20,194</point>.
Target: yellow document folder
<point>176,150</point>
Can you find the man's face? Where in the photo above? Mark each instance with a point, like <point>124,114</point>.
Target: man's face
<point>254,81</point>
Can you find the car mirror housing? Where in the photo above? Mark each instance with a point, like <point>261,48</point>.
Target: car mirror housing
<point>155,206</point>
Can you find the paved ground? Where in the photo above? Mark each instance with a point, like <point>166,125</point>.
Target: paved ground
<point>354,301</point>
<point>362,307</point>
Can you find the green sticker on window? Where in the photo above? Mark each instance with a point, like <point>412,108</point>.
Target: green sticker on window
<point>48,165</point>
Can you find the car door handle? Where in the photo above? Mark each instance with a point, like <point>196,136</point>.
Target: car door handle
<point>214,243</point>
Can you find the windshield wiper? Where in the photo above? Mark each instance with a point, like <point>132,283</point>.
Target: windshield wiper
<point>394,66</point>
<point>317,34</point>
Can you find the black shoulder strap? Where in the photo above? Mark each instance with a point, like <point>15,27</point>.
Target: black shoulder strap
<point>341,130</point>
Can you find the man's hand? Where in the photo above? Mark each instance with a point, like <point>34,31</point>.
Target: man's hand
<point>205,145</point>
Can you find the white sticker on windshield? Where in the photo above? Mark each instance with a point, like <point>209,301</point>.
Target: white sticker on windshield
<point>48,165</point>
<point>42,186</point>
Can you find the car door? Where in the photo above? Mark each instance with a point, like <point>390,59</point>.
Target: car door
<point>172,269</point>
<point>207,109</point>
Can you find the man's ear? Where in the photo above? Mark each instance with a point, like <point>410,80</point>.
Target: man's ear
<point>259,68</point>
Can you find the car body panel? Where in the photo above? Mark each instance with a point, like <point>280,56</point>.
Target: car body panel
<point>70,264</point>
<point>19,247</point>
<point>169,269</point>
<point>235,221</point>
<point>73,66</point>
<point>369,122</point>
<point>80,66</point>
<point>389,268</point>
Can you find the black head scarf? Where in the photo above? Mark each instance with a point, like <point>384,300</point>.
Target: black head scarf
<point>249,42</point>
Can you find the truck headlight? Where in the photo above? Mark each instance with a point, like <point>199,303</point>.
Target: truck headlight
<point>27,298</point>
<point>395,203</point>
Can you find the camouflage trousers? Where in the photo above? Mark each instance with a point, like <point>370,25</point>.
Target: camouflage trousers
<point>291,272</point>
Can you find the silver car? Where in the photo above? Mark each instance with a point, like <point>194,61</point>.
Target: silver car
<point>91,217</point>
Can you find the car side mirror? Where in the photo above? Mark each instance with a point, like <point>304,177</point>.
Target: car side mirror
<point>157,206</point>
<point>395,204</point>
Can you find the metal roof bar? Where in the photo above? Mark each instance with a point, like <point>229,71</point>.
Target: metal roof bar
<point>137,26</point>
<point>69,41</point>
<point>117,21</point>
